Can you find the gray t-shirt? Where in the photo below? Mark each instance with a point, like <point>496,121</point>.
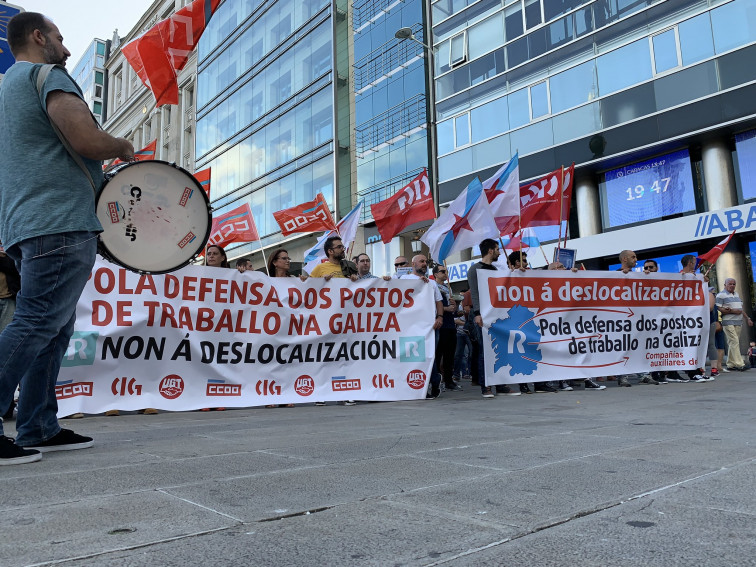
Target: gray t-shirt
<point>42,190</point>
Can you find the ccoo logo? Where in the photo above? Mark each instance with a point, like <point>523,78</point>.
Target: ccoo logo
<point>172,386</point>
<point>221,388</point>
<point>69,389</point>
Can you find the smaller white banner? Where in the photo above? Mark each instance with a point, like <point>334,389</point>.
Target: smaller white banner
<point>556,325</point>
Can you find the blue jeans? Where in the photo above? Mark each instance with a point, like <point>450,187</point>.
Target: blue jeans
<point>462,358</point>
<point>54,270</point>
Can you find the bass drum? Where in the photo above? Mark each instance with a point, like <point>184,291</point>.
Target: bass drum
<point>155,215</point>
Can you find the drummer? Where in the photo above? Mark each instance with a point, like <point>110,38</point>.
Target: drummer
<point>48,226</point>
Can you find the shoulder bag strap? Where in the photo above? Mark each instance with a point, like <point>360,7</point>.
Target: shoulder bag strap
<point>44,72</point>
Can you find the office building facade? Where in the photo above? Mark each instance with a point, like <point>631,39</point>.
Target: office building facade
<point>266,111</point>
<point>90,74</point>
<point>392,142</point>
<point>653,101</point>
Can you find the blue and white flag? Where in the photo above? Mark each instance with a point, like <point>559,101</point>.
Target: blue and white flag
<point>346,228</point>
<point>503,193</point>
<point>466,222</point>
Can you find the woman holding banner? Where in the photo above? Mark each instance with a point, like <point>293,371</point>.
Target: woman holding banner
<point>278,267</point>
<point>215,257</point>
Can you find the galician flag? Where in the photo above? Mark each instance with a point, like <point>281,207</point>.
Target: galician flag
<point>503,193</point>
<point>466,222</point>
<point>346,228</point>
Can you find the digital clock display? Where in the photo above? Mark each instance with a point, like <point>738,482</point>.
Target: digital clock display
<point>649,190</point>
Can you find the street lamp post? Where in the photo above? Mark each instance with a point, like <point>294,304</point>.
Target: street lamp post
<point>430,88</point>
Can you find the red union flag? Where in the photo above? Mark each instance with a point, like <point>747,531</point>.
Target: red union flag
<point>233,226</point>
<point>307,217</point>
<point>146,153</point>
<point>203,177</point>
<point>539,201</point>
<point>160,52</point>
<point>713,255</point>
<point>412,203</point>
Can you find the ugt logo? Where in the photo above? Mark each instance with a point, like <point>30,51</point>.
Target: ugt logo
<point>82,349</point>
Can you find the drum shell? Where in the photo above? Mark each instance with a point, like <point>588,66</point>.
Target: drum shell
<point>155,215</point>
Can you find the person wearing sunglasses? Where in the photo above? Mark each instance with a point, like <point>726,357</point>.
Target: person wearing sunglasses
<point>446,345</point>
<point>401,263</point>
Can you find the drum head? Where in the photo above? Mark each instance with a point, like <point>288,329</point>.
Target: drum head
<point>155,216</point>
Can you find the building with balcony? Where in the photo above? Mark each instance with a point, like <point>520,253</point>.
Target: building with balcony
<point>131,111</point>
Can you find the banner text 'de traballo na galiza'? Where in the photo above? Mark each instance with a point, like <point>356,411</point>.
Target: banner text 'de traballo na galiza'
<point>558,325</point>
<point>213,337</point>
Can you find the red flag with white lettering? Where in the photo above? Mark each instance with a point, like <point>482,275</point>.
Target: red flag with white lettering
<point>203,176</point>
<point>234,226</point>
<point>146,153</point>
<point>713,255</point>
<point>163,50</point>
<point>539,201</point>
<point>307,217</point>
<point>411,204</point>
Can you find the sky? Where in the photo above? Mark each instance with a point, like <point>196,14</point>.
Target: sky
<point>80,21</point>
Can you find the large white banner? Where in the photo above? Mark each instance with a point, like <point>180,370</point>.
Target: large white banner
<point>212,337</point>
<point>557,325</point>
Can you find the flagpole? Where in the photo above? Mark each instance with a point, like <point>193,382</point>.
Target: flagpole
<point>545,259</point>
<point>561,206</point>
<point>265,260</point>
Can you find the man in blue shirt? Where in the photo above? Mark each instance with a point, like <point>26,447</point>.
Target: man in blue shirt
<point>48,227</point>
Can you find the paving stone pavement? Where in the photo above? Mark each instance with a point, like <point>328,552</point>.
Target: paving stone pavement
<point>648,475</point>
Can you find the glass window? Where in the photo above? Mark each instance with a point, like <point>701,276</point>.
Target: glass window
<point>532,13</point>
<point>696,41</point>
<point>573,87</point>
<point>517,52</point>
<point>485,36</point>
<point>665,51</point>
<point>532,138</point>
<point>519,113</point>
<point>97,107</point>
<point>489,119</point>
<point>482,69</point>
<point>624,67</point>
<point>576,123</point>
<point>513,21</point>
<point>442,57</point>
<point>539,99</point>
<point>462,130</point>
<point>445,136</point>
<point>733,24</point>
<point>99,78</point>
<point>457,50</point>
<point>456,164</point>
<point>559,32</point>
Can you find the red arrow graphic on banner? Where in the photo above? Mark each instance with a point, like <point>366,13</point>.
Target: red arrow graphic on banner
<point>571,338</point>
<point>623,361</point>
<point>629,312</point>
